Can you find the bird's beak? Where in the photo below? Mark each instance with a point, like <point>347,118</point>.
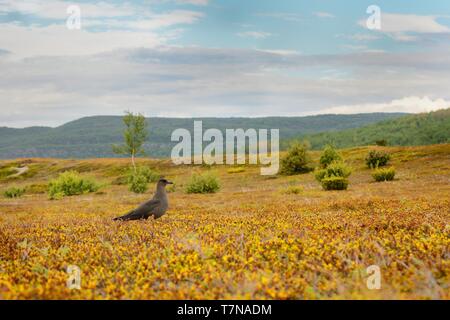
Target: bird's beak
<point>169,182</point>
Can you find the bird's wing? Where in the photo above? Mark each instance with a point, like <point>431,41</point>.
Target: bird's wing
<point>146,208</point>
<point>149,205</point>
<point>141,212</point>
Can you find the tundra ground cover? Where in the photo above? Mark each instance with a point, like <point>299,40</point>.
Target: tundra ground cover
<point>249,240</point>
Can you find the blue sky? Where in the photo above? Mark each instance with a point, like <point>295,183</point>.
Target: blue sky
<point>220,58</point>
<point>309,27</point>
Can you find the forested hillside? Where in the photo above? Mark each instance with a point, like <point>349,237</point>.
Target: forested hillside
<point>92,137</point>
<point>411,130</point>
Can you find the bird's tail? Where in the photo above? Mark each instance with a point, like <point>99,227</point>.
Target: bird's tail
<point>125,217</point>
<point>121,218</point>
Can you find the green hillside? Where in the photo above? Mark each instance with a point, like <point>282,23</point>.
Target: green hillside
<point>411,130</point>
<point>92,137</point>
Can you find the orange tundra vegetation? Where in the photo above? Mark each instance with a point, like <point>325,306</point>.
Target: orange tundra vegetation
<point>252,239</point>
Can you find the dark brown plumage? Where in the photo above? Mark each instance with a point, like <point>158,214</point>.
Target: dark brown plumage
<point>156,207</point>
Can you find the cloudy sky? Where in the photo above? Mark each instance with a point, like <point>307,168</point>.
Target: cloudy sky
<point>186,58</point>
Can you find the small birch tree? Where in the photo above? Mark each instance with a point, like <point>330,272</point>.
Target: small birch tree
<point>135,135</point>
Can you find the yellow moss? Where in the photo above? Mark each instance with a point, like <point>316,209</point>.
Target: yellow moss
<point>248,241</point>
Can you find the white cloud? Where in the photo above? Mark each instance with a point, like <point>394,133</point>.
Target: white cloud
<point>322,14</point>
<point>292,17</point>
<point>354,47</point>
<point>57,40</point>
<point>394,23</point>
<point>407,27</point>
<point>411,104</point>
<point>56,9</point>
<point>146,30</point>
<point>360,36</point>
<point>254,34</point>
<point>128,63</point>
<point>280,52</point>
<point>165,20</point>
<point>194,2</point>
<point>195,81</point>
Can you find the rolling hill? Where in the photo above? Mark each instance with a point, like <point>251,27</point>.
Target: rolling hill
<point>92,137</point>
<point>410,130</point>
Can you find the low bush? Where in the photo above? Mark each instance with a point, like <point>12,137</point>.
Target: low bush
<point>150,174</point>
<point>375,159</point>
<point>203,183</point>
<point>335,169</point>
<point>334,183</point>
<point>334,176</point>
<point>6,172</point>
<point>236,170</point>
<point>293,190</point>
<point>70,183</point>
<point>14,192</point>
<point>296,160</point>
<point>383,174</point>
<point>329,156</point>
<point>137,182</point>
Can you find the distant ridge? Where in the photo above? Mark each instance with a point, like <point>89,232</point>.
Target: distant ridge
<point>411,130</point>
<point>92,137</point>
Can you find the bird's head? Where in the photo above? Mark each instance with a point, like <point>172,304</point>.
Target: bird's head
<point>164,182</point>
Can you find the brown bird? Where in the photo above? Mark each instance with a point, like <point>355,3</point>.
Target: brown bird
<point>156,207</point>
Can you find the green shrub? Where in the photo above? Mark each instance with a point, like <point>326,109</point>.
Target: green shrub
<point>203,183</point>
<point>375,159</point>
<point>335,169</point>
<point>383,174</point>
<point>6,172</point>
<point>137,182</point>
<point>296,160</point>
<point>334,183</point>
<point>334,176</point>
<point>149,174</point>
<point>292,190</point>
<point>236,170</point>
<point>329,155</point>
<point>14,192</point>
<point>70,183</point>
